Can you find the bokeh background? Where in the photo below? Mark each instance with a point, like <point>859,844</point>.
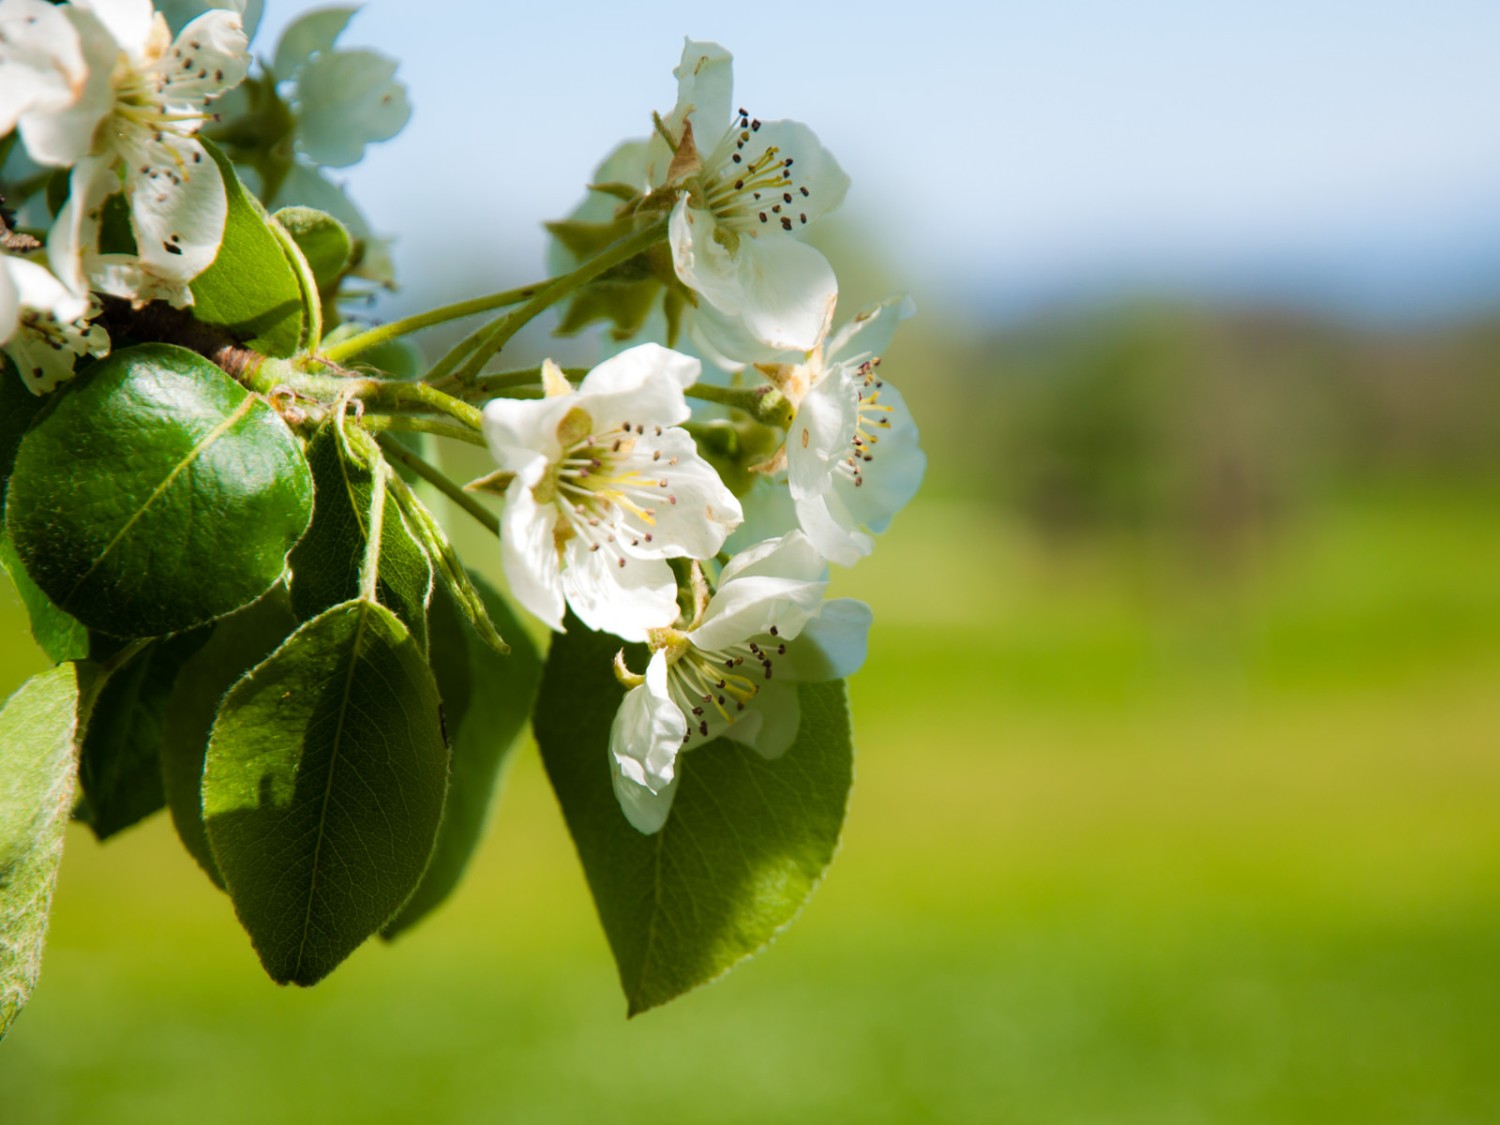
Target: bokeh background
<point>1180,735</point>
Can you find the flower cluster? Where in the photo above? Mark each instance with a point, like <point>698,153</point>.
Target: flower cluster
<point>605,484</point>
<point>103,99</point>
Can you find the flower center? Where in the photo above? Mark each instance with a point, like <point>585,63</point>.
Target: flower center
<point>608,486</point>
<point>750,187</point>
<point>872,415</point>
<point>710,687</point>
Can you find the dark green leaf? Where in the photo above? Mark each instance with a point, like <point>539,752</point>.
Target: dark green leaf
<point>746,843</point>
<point>326,563</point>
<point>120,766</point>
<point>38,738</point>
<point>61,637</point>
<point>239,642</point>
<point>486,701</point>
<point>323,240</point>
<point>324,787</point>
<point>18,407</point>
<point>252,288</point>
<point>157,494</point>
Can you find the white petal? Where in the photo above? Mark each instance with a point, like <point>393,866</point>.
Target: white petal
<point>822,433</point>
<point>636,367</point>
<point>178,208</point>
<point>346,100</point>
<point>38,289</point>
<point>870,332</point>
<point>728,344</point>
<point>644,741</point>
<point>10,299</point>
<point>832,529</point>
<point>124,275</point>
<point>701,262</point>
<point>42,367</point>
<point>788,291</point>
<point>74,238</point>
<point>528,550</point>
<point>697,512</point>
<point>831,646</point>
<point>307,35</point>
<point>521,431</point>
<point>779,583</point>
<point>893,477</point>
<point>769,725</point>
<point>65,135</point>
<point>705,90</point>
<point>131,23</point>
<point>41,63</point>
<point>215,46</point>
<point>812,167</point>
<point>623,600</point>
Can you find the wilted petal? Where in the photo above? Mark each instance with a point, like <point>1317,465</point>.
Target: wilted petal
<point>178,210</point>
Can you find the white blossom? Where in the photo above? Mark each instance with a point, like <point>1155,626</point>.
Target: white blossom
<point>607,486</point>
<point>733,671</point>
<point>130,126</point>
<point>44,327</point>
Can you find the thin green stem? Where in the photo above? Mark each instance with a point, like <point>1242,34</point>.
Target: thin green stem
<point>495,336</point>
<point>370,337</point>
<point>389,395</point>
<point>434,476</point>
<point>494,386</point>
<point>406,423</point>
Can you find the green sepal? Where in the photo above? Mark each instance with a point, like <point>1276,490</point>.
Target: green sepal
<point>326,563</point>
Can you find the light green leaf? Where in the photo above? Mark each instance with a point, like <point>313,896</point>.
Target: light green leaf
<point>60,636</point>
<point>120,766</point>
<point>323,788</point>
<point>239,642</point>
<point>747,841</point>
<point>326,563</point>
<point>252,288</point>
<point>38,740</point>
<point>323,240</point>
<point>157,494</point>
<point>486,701</point>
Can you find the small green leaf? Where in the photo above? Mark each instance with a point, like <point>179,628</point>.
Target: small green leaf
<point>60,636</point>
<point>38,750</point>
<point>252,289</point>
<point>326,563</point>
<point>324,787</point>
<point>323,240</point>
<point>747,841</point>
<point>486,701</point>
<point>239,642</point>
<point>120,765</point>
<point>157,494</point>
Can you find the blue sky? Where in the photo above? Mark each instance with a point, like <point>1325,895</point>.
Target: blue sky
<point>1341,151</point>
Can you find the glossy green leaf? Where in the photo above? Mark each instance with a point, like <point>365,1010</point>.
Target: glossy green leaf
<point>326,563</point>
<point>487,699</point>
<point>38,751</point>
<point>323,240</point>
<point>60,636</point>
<point>252,289</point>
<point>324,786</point>
<point>747,841</point>
<point>119,768</point>
<point>18,407</point>
<point>157,494</point>
<point>239,642</point>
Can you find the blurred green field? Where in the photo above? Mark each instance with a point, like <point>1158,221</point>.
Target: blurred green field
<point>1135,839</point>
